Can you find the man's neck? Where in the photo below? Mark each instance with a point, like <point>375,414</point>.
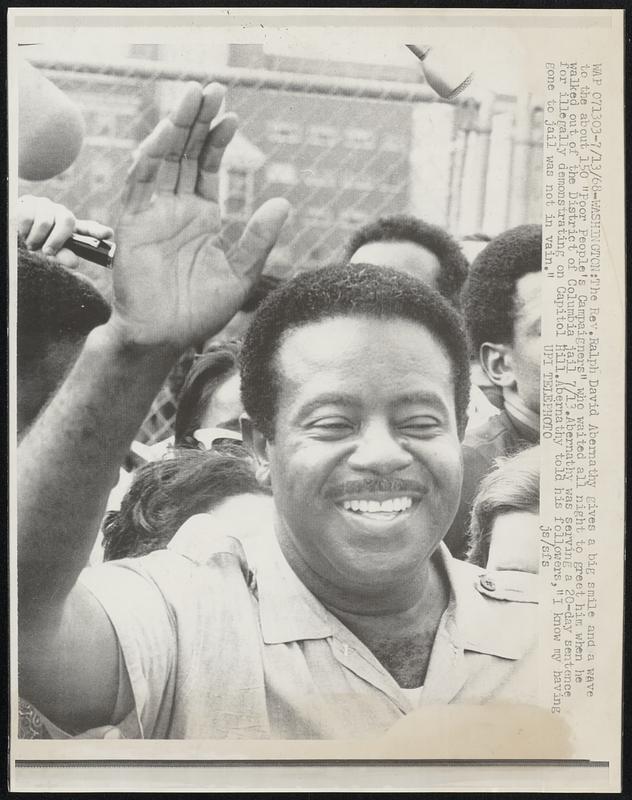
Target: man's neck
<point>397,623</point>
<point>404,595</point>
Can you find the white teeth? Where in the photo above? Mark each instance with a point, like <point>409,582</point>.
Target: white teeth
<point>375,506</point>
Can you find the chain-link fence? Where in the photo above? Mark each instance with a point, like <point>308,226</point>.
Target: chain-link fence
<point>344,149</point>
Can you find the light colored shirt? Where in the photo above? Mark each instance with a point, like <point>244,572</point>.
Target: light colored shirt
<point>220,645</point>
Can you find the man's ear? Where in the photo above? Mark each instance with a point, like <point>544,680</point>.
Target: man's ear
<point>257,443</point>
<point>497,362</point>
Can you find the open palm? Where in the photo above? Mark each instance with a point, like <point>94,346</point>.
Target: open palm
<point>173,283</point>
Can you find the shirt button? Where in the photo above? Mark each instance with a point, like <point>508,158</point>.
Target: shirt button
<point>488,583</point>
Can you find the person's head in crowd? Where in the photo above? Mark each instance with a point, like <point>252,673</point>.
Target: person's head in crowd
<point>51,125</point>
<point>410,245</point>
<point>355,380</point>
<point>504,531</point>
<point>56,310</point>
<point>502,307</point>
<point>238,325</point>
<point>164,494</point>
<point>210,396</point>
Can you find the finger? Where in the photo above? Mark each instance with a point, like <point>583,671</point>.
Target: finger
<point>182,118</point>
<point>26,208</point>
<point>63,227</point>
<point>68,258</point>
<point>212,99</point>
<point>43,220</point>
<point>141,177</point>
<point>218,139</point>
<point>89,227</point>
<point>247,258</point>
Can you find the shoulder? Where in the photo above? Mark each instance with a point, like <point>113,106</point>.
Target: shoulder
<point>497,610</point>
<point>506,585</point>
<point>197,560</point>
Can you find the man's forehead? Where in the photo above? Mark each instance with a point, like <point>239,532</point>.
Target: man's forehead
<point>353,343</point>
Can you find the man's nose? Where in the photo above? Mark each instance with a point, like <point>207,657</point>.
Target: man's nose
<point>379,451</point>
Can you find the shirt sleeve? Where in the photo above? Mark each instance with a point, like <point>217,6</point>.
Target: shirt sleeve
<point>145,628</point>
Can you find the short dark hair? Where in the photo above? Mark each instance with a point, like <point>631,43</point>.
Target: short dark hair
<point>512,485</point>
<point>334,291</point>
<point>489,292</point>
<point>406,228</point>
<point>165,493</point>
<point>54,304</point>
<point>209,370</point>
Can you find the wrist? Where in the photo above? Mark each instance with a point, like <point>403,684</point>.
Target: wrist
<point>114,340</point>
<point>118,336</point>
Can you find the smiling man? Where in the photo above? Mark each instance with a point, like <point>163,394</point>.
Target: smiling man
<point>347,612</point>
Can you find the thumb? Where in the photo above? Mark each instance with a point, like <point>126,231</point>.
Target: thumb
<point>88,227</point>
<point>67,258</point>
<point>248,256</point>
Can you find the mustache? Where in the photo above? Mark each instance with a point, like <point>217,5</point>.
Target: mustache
<point>373,485</point>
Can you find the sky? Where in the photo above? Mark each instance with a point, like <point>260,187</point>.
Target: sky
<point>504,59</point>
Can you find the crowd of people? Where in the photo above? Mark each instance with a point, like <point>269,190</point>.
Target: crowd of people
<point>340,527</point>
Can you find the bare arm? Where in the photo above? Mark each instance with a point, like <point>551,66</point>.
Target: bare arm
<point>172,285</point>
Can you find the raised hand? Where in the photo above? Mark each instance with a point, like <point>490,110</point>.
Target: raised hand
<point>173,283</point>
<point>46,226</point>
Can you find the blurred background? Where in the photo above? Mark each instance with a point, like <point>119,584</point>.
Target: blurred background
<point>344,139</point>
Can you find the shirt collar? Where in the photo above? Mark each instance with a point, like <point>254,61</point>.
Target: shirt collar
<point>527,422</point>
<point>288,611</point>
<point>474,619</point>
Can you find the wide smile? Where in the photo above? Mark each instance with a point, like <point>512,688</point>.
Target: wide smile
<point>377,512</point>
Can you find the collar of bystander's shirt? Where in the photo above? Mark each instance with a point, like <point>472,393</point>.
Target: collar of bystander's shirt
<point>495,609</point>
<point>527,422</point>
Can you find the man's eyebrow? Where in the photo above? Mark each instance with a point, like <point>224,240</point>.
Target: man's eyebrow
<point>421,398</point>
<point>330,398</point>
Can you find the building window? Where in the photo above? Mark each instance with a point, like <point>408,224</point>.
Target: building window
<point>315,215</point>
<point>359,139</point>
<point>104,125</point>
<point>284,132</point>
<point>238,199</point>
<point>358,182</point>
<point>351,218</point>
<point>323,178</point>
<point>281,172</point>
<point>100,172</point>
<point>322,135</point>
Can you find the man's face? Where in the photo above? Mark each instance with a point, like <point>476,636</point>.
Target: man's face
<point>408,257</point>
<point>366,462</point>
<point>526,347</point>
<point>225,407</point>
